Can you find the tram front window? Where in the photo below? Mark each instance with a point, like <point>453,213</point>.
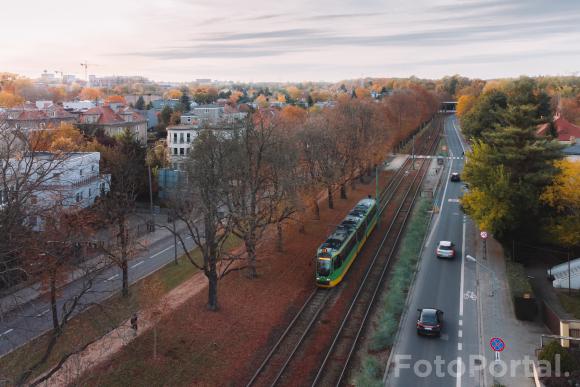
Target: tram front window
<point>324,267</point>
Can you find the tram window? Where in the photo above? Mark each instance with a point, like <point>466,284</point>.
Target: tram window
<point>350,245</point>
<point>324,267</point>
<point>338,260</point>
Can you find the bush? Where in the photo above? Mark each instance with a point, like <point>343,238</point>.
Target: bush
<point>567,361</point>
<point>518,279</point>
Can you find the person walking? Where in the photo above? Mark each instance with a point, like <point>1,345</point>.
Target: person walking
<point>134,323</point>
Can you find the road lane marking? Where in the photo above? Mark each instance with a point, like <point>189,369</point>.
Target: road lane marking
<point>462,272</point>
<point>460,323</point>
<point>6,332</point>
<point>459,346</point>
<point>453,200</point>
<point>459,372</point>
<point>113,277</point>
<point>442,202</point>
<point>161,252</point>
<point>137,264</point>
<point>460,333</point>
<point>43,313</point>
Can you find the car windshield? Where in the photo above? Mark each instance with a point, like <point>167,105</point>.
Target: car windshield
<point>323,267</point>
<point>444,247</point>
<point>429,317</point>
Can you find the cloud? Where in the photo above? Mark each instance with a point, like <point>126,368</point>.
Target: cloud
<point>296,32</point>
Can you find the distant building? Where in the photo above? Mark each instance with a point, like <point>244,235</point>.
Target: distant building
<point>161,103</point>
<point>572,152</point>
<point>31,118</point>
<point>77,107</point>
<point>113,120</point>
<point>566,131</point>
<point>147,98</point>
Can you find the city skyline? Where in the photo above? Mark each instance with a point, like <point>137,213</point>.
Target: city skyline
<point>180,40</point>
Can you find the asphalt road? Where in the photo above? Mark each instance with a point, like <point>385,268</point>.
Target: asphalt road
<point>34,318</point>
<point>448,285</point>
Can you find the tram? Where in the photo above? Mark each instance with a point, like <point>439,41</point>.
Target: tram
<point>335,256</point>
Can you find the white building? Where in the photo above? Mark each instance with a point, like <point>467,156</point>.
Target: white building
<point>71,181</point>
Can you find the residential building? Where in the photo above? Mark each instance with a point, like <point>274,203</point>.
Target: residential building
<point>71,181</point>
<point>566,131</point>
<point>113,119</point>
<point>159,104</point>
<point>78,107</point>
<point>32,118</point>
<point>208,113</point>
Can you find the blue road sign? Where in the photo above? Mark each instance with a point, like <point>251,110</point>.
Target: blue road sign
<point>497,344</point>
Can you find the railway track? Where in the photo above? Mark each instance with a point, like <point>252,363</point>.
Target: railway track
<point>334,367</point>
<point>272,370</point>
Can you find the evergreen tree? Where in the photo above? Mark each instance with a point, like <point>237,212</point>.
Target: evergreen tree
<point>185,102</point>
<point>140,104</point>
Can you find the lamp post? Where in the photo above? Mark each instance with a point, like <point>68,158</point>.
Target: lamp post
<point>473,259</point>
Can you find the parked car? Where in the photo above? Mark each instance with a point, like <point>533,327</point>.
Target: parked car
<point>430,322</point>
<point>445,249</point>
<point>455,176</point>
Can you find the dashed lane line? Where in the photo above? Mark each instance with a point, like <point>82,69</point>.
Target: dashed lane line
<point>459,346</point>
<point>112,278</point>
<point>137,264</point>
<point>43,313</point>
<point>460,333</point>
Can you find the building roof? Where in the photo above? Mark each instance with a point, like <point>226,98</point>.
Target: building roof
<point>107,116</point>
<point>44,114</point>
<point>572,150</point>
<point>564,129</point>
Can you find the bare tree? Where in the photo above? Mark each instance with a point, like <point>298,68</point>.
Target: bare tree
<point>199,203</point>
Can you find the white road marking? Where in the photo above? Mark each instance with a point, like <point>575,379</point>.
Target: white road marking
<point>453,200</point>
<point>459,346</point>
<point>161,252</point>
<point>6,332</point>
<point>43,313</point>
<point>461,292</point>
<point>459,371</point>
<point>442,202</point>
<point>460,333</point>
<point>137,264</point>
<point>113,277</point>
<point>460,323</point>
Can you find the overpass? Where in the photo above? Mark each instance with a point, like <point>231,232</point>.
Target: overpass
<point>448,107</point>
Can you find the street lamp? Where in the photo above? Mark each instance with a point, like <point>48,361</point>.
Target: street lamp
<point>473,259</point>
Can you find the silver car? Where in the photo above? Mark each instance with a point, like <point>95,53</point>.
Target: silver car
<point>445,249</point>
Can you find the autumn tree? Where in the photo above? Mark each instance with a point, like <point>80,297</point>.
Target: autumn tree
<point>65,138</point>
<point>563,197</point>
<point>200,203</point>
<point>9,100</point>
<point>464,104</point>
<point>115,99</point>
<point>256,190</point>
<point>172,94</point>
<point>89,93</point>
<point>125,161</point>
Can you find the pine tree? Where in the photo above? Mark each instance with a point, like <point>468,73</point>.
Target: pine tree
<point>140,104</point>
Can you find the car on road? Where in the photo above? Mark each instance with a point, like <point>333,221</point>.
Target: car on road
<point>429,322</point>
<point>445,249</point>
<point>455,176</point>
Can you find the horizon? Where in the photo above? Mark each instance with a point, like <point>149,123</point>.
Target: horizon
<point>180,41</point>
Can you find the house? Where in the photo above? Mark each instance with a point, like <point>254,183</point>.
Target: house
<point>208,113</point>
<point>565,130</point>
<point>32,118</point>
<point>159,104</point>
<point>113,119</point>
<point>572,152</point>
<point>71,181</point>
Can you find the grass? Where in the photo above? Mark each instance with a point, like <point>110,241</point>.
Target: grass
<point>571,303</point>
<point>391,306</point>
<point>517,279</point>
<point>97,321</point>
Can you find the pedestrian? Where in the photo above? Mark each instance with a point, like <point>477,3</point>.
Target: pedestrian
<point>134,323</point>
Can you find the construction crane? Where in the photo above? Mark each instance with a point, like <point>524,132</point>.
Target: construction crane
<point>86,65</point>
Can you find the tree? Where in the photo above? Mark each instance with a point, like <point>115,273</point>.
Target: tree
<point>256,189</point>
<point>125,161</point>
<point>262,101</point>
<point>8,100</point>
<point>200,204</point>
<point>513,167</point>
<point>89,93</point>
<point>115,99</point>
<point>464,104</point>
<point>65,138</point>
<point>185,102</point>
<point>165,115</point>
<point>563,196</point>
<point>173,94</point>
<point>140,104</point>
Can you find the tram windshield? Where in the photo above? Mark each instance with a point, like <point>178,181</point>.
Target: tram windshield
<point>324,267</point>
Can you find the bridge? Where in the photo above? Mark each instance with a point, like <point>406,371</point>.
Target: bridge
<point>448,107</point>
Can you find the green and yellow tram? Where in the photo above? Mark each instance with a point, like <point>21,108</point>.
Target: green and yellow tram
<point>335,256</point>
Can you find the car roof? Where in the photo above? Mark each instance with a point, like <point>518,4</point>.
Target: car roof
<point>428,312</point>
<point>445,243</point>
<point>455,173</point>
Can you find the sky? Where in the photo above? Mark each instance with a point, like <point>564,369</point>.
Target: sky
<point>296,40</point>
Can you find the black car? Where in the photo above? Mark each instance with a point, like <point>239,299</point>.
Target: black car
<point>430,322</point>
<point>455,176</point>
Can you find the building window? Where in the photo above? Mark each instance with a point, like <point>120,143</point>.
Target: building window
<point>89,192</point>
<point>174,151</point>
<point>188,137</point>
<point>181,138</point>
<point>174,137</point>
<point>81,172</point>
<point>78,197</point>
<point>181,151</point>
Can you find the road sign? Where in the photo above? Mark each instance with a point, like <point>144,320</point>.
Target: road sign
<point>497,344</point>
<point>483,234</point>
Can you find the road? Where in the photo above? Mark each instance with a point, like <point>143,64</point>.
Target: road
<point>449,285</point>
<point>34,318</point>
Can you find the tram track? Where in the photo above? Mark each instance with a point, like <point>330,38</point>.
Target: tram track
<point>273,370</point>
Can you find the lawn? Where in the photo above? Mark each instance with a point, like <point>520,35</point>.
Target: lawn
<point>571,303</point>
<point>98,320</point>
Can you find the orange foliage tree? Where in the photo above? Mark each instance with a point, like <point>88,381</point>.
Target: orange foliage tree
<point>90,93</point>
<point>115,99</point>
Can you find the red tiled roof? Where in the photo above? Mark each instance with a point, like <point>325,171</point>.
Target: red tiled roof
<point>564,128</point>
<point>30,115</point>
<point>107,116</point>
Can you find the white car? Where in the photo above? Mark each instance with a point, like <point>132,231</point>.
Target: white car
<point>445,249</point>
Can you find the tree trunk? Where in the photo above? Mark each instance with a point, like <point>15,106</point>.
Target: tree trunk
<point>330,201</point>
<point>125,269</point>
<point>212,294</point>
<point>251,251</point>
<point>316,209</point>
<point>53,304</point>
<point>343,191</point>
<point>279,246</point>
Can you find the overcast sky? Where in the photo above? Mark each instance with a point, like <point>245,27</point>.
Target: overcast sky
<point>294,40</point>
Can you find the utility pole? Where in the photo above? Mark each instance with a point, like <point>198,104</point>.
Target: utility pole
<point>377,192</point>
<point>152,226</point>
<point>413,153</point>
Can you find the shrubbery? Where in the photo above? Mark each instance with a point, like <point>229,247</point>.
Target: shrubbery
<point>567,362</point>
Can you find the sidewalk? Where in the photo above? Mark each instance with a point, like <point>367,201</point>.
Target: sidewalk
<point>30,293</point>
<point>497,319</point>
